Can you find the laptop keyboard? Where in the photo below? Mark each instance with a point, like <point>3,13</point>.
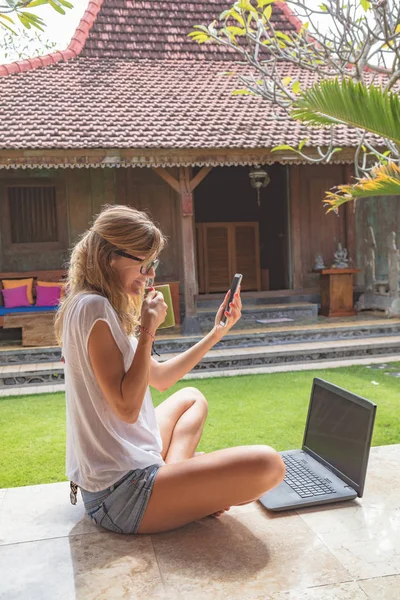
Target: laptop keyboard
<point>303,481</point>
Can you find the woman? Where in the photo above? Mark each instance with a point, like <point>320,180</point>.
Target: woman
<point>136,465</point>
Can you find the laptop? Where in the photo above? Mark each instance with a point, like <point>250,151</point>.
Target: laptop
<point>332,464</point>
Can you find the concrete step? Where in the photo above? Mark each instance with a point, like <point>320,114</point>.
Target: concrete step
<point>212,301</point>
<point>251,313</point>
<point>253,307</point>
<point>299,353</point>
<point>305,333</point>
<point>28,375</point>
<point>309,331</point>
<point>25,356</point>
<point>42,375</point>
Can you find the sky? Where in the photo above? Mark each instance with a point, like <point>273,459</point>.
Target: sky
<point>60,28</point>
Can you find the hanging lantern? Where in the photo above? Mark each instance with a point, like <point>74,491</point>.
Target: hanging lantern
<point>259,178</point>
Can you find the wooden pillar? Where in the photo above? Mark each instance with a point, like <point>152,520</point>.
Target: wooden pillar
<point>190,323</point>
<point>295,226</point>
<point>185,187</point>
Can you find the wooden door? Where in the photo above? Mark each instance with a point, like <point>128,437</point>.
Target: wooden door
<point>224,249</point>
<point>313,230</point>
<point>217,257</point>
<point>247,254</point>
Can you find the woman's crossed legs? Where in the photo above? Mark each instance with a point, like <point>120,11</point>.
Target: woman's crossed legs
<point>187,490</point>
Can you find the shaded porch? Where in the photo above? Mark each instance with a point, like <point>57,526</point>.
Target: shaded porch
<point>274,244</point>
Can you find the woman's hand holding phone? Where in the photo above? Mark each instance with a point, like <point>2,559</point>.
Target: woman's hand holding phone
<point>232,313</point>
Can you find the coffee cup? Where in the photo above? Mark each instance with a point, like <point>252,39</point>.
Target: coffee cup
<point>169,320</point>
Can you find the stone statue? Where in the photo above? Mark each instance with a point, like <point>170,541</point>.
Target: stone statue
<point>381,294</point>
<point>341,260</point>
<point>319,263</point>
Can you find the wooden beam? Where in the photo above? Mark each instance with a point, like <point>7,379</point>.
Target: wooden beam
<point>185,187</point>
<point>295,226</point>
<point>163,173</point>
<point>149,157</point>
<point>186,194</point>
<point>199,177</point>
<point>175,184</point>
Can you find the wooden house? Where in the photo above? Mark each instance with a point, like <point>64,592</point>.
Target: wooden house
<point>134,112</point>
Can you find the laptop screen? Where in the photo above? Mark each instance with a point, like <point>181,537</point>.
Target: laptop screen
<point>339,431</point>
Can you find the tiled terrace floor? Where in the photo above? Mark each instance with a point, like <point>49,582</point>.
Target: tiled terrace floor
<point>351,551</point>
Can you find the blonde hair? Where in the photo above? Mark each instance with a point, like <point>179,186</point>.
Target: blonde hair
<point>116,227</point>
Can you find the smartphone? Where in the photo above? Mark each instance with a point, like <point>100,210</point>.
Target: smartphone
<point>236,281</point>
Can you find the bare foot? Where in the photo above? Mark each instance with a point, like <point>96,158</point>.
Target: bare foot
<point>220,512</point>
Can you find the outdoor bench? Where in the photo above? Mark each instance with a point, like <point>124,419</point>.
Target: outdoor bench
<point>36,322</point>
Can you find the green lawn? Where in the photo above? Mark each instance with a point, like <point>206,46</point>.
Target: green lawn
<point>249,409</point>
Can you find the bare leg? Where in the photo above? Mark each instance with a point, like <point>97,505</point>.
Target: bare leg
<point>181,419</point>
<point>192,489</point>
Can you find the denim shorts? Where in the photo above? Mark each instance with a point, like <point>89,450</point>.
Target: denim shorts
<point>121,507</point>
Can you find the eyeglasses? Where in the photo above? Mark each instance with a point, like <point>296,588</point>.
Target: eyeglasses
<point>144,269</point>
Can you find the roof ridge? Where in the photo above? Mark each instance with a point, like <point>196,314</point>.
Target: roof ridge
<point>74,47</point>
<point>291,15</point>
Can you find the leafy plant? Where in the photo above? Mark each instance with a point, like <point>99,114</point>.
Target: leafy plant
<point>22,10</point>
<point>334,102</point>
<point>384,180</point>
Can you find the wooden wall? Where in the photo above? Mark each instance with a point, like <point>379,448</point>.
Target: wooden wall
<point>87,191</point>
<point>313,231</point>
<point>81,192</point>
<point>28,259</point>
<point>143,189</point>
<point>84,192</point>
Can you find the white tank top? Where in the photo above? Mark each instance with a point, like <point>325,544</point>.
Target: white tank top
<point>100,447</point>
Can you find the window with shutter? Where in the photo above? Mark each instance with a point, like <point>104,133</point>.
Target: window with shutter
<point>33,214</point>
<point>33,222</point>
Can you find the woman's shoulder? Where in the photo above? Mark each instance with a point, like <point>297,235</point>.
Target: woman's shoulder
<point>92,299</point>
<point>91,305</point>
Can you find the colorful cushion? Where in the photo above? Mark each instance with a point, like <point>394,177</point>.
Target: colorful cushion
<point>16,297</point>
<point>9,284</point>
<point>48,296</point>
<point>52,284</point>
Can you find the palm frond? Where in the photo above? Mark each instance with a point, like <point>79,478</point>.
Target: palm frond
<point>348,103</point>
<point>384,181</point>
